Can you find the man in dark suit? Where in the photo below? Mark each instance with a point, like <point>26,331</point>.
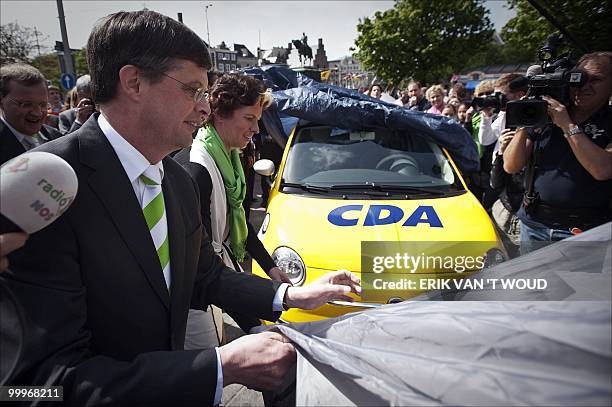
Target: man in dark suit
<point>106,288</point>
<point>23,110</point>
<point>72,119</point>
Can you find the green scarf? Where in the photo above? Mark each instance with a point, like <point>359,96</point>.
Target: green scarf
<point>476,118</point>
<point>235,187</point>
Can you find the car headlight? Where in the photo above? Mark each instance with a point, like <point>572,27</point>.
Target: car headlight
<point>493,257</point>
<point>291,263</point>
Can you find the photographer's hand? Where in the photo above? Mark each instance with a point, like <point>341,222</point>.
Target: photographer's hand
<point>487,111</point>
<point>504,139</point>
<point>84,109</point>
<point>558,113</point>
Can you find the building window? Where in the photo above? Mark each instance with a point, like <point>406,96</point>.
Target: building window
<point>233,67</point>
<point>233,57</point>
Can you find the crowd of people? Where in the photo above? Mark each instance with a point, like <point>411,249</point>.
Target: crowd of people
<point>570,176</point>
<point>116,292</point>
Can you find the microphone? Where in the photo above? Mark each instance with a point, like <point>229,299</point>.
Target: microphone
<point>533,70</point>
<point>35,189</point>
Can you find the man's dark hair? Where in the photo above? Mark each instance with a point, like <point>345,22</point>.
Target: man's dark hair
<point>460,89</point>
<point>233,91</point>
<point>23,74</point>
<point>146,39</point>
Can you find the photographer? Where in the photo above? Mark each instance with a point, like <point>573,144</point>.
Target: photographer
<point>509,87</point>
<point>572,174</point>
<point>71,120</point>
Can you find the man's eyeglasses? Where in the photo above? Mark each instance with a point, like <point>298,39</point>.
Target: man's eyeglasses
<point>199,94</point>
<point>28,105</point>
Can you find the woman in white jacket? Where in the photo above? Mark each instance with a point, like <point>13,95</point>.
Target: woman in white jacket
<point>237,102</point>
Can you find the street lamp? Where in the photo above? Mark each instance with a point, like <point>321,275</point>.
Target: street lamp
<point>207,31</point>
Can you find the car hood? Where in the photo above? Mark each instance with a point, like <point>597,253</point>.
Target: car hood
<point>328,233</point>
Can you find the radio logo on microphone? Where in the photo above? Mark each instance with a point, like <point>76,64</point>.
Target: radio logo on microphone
<point>56,195</point>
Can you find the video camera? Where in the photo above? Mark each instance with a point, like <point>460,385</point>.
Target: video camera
<point>553,77</point>
<point>496,101</point>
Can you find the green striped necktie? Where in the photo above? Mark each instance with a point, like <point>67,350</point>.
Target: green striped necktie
<point>155,216</point>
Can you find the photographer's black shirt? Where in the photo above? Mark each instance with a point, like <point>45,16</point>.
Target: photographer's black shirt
<point>561,181</point>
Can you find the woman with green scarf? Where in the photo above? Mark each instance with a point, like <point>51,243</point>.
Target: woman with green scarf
<point>237,102</point>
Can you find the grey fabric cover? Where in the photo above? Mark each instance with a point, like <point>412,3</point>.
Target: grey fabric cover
<point>536,349</point>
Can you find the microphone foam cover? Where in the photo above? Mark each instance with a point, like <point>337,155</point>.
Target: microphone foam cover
<point>35,189</point>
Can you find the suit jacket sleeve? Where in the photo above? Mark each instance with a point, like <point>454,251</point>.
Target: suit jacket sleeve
<point>75,126</point>
<point>64,122</point>
<point>252,295</point>
<point>200,175</point>
<point>68,123</point>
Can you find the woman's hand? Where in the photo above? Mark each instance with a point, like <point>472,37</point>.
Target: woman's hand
<point>277,274</point>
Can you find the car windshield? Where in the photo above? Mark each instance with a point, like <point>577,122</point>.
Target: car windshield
<point>323,156</point>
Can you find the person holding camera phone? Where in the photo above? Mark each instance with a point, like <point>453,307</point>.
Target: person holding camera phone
<point>509,87</point>
<point>571,187</point>
<point>71,120</point>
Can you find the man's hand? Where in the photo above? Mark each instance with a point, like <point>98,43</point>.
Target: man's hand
<point>558,113</point>
<point>504,139</point>
<point>84,109</point>
<point>8,243</point>
<point>277,274</point>
<point>336,285</point>
<point>412,101</point>
<point>257,361</point>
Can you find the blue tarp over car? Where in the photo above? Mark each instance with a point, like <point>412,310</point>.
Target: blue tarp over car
<point>301,97</point>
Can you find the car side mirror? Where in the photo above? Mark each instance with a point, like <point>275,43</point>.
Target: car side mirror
<point>264,167</point>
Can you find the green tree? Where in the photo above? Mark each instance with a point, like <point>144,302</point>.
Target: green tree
<point>80,61</point>
<point>424,39</point>
<point>589,21</point>
<point>17,43</point>
<point>48,65</point>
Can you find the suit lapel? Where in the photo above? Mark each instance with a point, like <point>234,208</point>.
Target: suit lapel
<point>111,185</point>
<point>176,236</point>
<point>11,147</point>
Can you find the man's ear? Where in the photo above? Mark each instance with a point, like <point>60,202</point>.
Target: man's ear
<point>130,82</point>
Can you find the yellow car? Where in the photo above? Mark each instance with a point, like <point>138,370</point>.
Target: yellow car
<point>341,194</point>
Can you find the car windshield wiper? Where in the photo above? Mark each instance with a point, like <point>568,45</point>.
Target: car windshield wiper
<point>305,187</point>
<point>387,188</point>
